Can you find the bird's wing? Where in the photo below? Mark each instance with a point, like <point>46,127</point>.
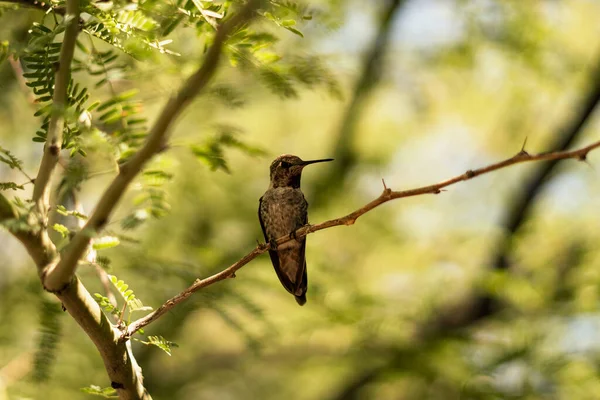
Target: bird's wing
<point>291,284</point>
<point>272,253</point>
<point>301,276</point>
<point>301,281</point>
<point>285,281</point>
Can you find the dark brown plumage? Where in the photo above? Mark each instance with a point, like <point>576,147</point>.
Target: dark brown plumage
<point>281,211</point>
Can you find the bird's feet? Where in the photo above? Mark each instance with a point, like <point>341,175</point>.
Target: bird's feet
<point>293,236</point>
<point>273,244</point>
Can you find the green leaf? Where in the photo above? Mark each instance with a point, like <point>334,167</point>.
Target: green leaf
<point>105,242</point>
<point>106,305</point>
<point>93,106</point>
<point>294,30</point>
<point>123,288</point>
<point>49,336</point>
<point>161,343</point>
<point>134,220</point>
<point>63,230</point>
<point>63,211</point>
<point>156,177</point>
<point>104,262</point>
<point>211,156</point>
<point>136,304</point>
<point>4,50</point>
<point>278,82</point>
<point>11,186</point>
<point>107,392</point>
<point>229,95</point>
<point>10,160</point>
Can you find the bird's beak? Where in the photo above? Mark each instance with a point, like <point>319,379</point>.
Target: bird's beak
<point>304,163</point>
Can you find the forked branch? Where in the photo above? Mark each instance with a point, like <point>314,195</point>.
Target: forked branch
<point>58,271</point>
<point>350,219</point>
<point>58,275</point>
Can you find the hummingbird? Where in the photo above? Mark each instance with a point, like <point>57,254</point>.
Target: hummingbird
<point>281,211</point>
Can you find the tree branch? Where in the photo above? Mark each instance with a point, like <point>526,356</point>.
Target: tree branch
<point>122,369</point>
<point>59,105</point>
<point>120,364</point>
<point>350,219</point>
<point>59,275</point>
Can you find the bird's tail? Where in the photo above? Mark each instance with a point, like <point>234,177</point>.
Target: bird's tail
<point>301,299</point>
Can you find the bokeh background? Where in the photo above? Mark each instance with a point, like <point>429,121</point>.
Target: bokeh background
<point>488,290</point>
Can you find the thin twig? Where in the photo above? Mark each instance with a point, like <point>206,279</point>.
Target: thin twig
<point>58,275</point>
<point>350,219</point>
<point>106,285</point>
<point>59,105</point>
<point>18,70</point>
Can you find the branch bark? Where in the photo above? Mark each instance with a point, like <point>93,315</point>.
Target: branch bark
<point>350,219</point>
<point>123,371</point>
<point>58,275</point>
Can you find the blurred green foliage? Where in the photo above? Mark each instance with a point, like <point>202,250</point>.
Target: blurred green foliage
<point>463,84</point>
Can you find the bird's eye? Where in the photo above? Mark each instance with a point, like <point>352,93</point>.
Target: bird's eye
<point>285,164</point>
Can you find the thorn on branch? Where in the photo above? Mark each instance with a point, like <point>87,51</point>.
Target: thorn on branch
<point>116,385</point>
<point>262,246</point>
<point>101,223</point>
<point>523,147</point>
<point>232,276</point>
<point>470,174</point>
<point>582,157</point>
<point>54,149</point>
<point>386,190</point>
<point>350,221</point>
<point>523,154</point>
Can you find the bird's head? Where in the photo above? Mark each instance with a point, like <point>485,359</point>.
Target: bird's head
<point>286,170</point>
